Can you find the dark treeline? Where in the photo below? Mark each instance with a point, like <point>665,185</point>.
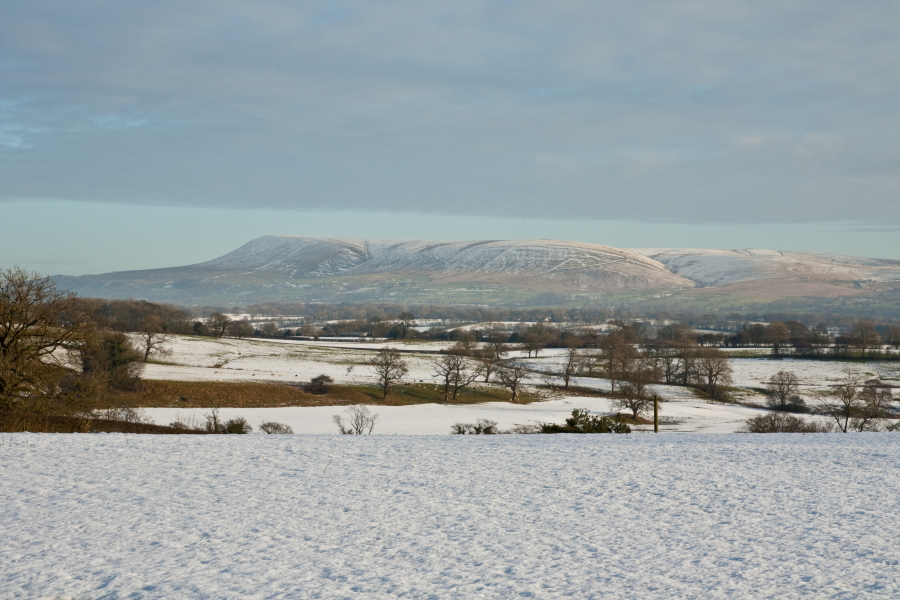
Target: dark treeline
<point>138,315</point>
<point>733,321</point>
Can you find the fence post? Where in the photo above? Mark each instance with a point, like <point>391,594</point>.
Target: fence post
<point>655,413</point>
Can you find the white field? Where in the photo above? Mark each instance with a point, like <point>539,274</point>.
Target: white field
<point>436,419</point>
<point>490,517</point>
<point>210,359</point>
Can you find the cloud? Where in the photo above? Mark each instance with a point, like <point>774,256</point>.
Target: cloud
<point>717,111</point>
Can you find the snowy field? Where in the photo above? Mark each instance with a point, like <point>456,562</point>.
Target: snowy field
<point>641,516</point>
<point>436,419</point>
<point>210,359</point>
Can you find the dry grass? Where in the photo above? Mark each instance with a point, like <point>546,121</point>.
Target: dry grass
<point>195,394</point>
<point>11,421</point>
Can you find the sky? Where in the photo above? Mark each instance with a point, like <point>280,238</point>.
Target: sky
<point>139,134</point>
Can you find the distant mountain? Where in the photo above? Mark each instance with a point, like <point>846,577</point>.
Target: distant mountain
<point>284,268</point>
<point>521,272</point>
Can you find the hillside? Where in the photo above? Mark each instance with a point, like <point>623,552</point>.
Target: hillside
<point>546,272</point>
<point>305,268</point>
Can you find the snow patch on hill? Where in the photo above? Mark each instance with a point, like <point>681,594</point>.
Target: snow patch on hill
<point>710,267</point>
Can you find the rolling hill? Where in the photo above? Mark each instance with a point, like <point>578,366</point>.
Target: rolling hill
<point>289,268</point>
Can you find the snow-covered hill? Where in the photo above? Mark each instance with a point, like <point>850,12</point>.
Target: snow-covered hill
<point>720,267</point>
<point>304,257</point>
<point>293,268</point>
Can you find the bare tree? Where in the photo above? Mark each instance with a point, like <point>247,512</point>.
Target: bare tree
<point>841,401</point>
<point>390,368</point>
<point>893,336</point>
<point>665,362</point>
<point>359,420</point>
<point>532,342</point>
<point>570,365</point>
<point>511,375</point>
<point>591,361</point>
<point>240,329</point>
<point>865,337</point>
<point>777,334</point>
<point>634,390</point>
<point>456,371</point>
<point>875,401</point>
<point>714,367</point>
<point>218,323</point>
<point>151,338</point>
<point>38,324</point>
<point>783,386</point>
<point>617,355</point>
<point>405,322</point>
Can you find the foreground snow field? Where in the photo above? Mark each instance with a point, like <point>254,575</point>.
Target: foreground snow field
<point>603,516</point>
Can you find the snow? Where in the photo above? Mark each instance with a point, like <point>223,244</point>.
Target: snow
<point>318,257</point>
<point>276,361</point>
<point>327,517</point>
<point>687,415</point>
<point>710,267</point>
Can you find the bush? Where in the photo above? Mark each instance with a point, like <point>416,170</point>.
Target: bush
<point>359,421</point>
<point>319,385</point>
<point>272,428</point>
<point>238,425</point>
<point>779,422</point>
<point>582,421</point>
<point>794,404</point>
<point>480,427</point>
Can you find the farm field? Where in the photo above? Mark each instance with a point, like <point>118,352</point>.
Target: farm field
<point>294,362</point>
<point>639,516</point>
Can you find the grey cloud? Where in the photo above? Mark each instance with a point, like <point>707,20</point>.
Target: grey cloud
<point>714,111</point>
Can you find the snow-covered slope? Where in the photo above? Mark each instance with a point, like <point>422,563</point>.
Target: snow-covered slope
<point>707,267</point>
<point>304,257</point>
<point>647,516</point>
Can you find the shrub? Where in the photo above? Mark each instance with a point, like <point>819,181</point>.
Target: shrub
<point>319,385</point>
<point>479,427</point>
<point>582,421</point>
<point>272,428</point>
<point>238,425</point>
<point>359,421</point>
<point>779,422</point>
<point>793,403</point>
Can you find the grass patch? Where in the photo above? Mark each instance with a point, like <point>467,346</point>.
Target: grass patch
<point>17,422</point>
<point>203,394</point>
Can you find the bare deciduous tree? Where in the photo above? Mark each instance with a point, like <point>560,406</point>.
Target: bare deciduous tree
<point>240,329</point>
<point>714,367</point>
<point>893,337</point>
<point>38,324</point>
<point>865,337</point>
<point>783,386</point>
<point>218,323</point>
<point>570,366</point>
<point>511,375</point>
<point>491,354</point>
<point>360,420</point>
<point>841,400</point>
<point>617,355</point>
<point>591,362</point>
<point>634,390</point>
<point>455,371</point>
<point>777,334</point>
<point>151,338</point>
<point>390,368</point>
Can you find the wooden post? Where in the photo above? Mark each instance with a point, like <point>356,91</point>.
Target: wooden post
<point>655,413</point>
